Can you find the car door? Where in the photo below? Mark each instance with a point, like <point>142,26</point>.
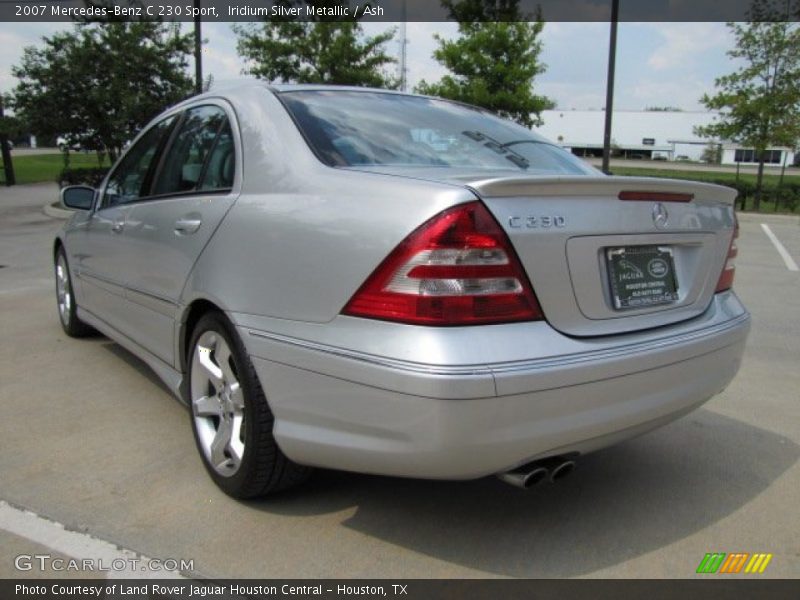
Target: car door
<point>192,190</point>
<point>101,259</point>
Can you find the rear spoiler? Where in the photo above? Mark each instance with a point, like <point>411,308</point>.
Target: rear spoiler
<point>507,187</point>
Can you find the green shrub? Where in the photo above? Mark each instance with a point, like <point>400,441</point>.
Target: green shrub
<point>788,197</point>
<point>91,176</point>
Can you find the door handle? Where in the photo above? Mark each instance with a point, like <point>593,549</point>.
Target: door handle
<point>187,226</point>
<point>118,226</point>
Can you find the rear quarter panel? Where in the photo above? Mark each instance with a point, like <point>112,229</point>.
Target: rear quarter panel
<point>303,237</point>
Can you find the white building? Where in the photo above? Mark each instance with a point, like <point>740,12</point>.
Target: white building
<point>646,135</point>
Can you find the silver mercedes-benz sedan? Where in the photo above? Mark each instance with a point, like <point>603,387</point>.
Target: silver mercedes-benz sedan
<point>387,283</point>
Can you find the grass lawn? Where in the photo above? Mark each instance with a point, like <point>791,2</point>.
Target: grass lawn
<point>46,167</point>
<point>769,179</point>
<point>768,204</point>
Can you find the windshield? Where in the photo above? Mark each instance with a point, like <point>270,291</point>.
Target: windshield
<point>353,128</point>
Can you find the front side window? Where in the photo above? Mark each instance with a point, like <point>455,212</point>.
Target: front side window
<point>201,156</point>
<point>349,129</point>
<point>131,179</point>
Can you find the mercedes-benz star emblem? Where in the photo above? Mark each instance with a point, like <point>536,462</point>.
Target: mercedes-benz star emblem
<point>660,215</point>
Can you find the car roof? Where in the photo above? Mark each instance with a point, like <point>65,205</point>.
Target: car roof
<point>316,87</point>
<point>228,89</point>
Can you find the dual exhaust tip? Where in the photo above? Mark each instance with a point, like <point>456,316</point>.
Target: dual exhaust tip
<point>549,469</point>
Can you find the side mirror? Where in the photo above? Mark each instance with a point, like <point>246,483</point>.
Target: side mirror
<point>78,197</point>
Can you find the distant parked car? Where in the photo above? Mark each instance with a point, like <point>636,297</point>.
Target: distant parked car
<point>387,283</point>
<point>63,145</point>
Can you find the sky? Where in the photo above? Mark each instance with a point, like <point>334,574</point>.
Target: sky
<point>658,64</point>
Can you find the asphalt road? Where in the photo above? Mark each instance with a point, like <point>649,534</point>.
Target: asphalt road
<point>93,441</point>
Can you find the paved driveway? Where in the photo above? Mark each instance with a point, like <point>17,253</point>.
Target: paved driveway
<point>93,441</point>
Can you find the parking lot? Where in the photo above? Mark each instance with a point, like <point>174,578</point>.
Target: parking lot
<point>92,441</point>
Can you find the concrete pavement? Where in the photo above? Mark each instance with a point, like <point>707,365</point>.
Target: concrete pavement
<point>22,151</point>
<point>92,440</point>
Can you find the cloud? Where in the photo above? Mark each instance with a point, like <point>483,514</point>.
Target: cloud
<point>8,59</point>
<point>572,95</point>
<point>14,42</point>
<point>219,53</point>
<point>684,43</point>
<point>684,94</point>
<point>419,51</point>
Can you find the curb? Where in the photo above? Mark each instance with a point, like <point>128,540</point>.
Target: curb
<point>56,211</point>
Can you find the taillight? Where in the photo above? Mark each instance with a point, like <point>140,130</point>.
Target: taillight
<point>456,269</point>
<point>726,277</point>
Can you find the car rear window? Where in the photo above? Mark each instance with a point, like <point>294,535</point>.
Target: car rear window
<point>353,128</point>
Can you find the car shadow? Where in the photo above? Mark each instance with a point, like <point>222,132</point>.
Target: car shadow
<point>618,504</point>
<point>137,364</point>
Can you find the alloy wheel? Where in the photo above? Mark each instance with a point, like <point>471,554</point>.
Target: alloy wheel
<point>63,290</point>
<point>218,406</point>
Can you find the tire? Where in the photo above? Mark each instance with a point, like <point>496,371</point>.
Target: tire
<point>65,299</point>
<point>231,419</point>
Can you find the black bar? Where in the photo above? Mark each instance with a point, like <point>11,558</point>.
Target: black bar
<point>712,587</point>
<point>387,10</point>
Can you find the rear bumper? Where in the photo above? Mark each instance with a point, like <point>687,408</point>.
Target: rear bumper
<point>344,409</point>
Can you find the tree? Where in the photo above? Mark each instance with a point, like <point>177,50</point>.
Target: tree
<point>494,61</point>
<point>320,50</point>
<point>760,101</point>
<point>9,127</point>
<point>100,83</point>
<point>712,153</point>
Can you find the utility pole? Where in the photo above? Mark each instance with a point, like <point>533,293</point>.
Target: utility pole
<point>198,50</point>
<point>403,57</point>
<point>6,152</point>
<point>612,59</point>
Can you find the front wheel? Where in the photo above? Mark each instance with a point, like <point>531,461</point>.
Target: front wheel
<point>231,419</point>
<point>65,299</point>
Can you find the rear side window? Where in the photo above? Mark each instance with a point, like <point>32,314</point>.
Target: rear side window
<point>218,173</point>
<point>201,156</point>
<point>131,179</point>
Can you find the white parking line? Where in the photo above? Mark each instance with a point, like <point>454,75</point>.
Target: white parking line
<point>80,546</point>
<point>787,258</point>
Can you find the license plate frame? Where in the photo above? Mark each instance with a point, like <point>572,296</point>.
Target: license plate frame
<point>641,276</point>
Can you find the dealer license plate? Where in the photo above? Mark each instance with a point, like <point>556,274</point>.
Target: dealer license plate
<point>641,276</point>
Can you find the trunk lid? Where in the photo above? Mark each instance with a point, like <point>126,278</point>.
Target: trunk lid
<point>566,230</point>
<point>562,229</point>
